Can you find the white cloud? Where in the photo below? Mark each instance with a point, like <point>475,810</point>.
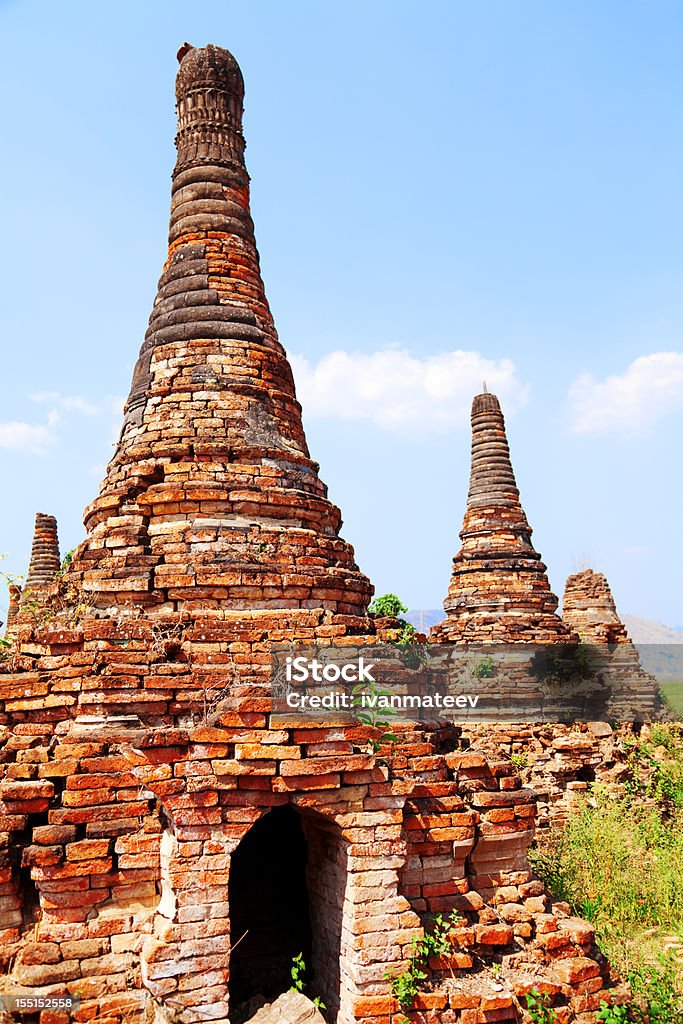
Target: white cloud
<point>399,391</point>
<point>79,403</point>
<point>631,403</point>
<point>36,438</point>
<point>110,406</point>
<point>69,403</point>
<point>30,438</point>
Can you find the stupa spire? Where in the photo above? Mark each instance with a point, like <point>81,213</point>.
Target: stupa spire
<point>499,591</point>
<point>13,610</point>
<point>45,561</point>
<point>211,499</point>
<point>492,479</point>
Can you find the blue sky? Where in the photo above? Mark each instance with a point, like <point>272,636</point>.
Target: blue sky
<point>441,192</point>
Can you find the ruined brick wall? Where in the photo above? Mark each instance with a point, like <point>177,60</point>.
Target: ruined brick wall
<point>129,826</point>
<point>328,856</point>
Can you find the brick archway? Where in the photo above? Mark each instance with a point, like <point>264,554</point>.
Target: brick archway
<point>360,924</point>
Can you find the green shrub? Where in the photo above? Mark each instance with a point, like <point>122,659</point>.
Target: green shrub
<point>612,1014</point>
<point>298,975</point>
<point>388,605</point>
<point>484,669</point>
<point>519,761</point>
<point>658,992</point>
<point>405,986</point>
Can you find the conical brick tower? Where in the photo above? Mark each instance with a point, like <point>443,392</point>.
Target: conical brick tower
<point>211,500</point>
<point>499,591</point>
<point>28,605</point>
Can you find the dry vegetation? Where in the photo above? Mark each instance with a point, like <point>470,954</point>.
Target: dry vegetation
<point>619,862</point>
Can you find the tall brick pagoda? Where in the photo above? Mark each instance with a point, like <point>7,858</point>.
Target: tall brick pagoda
<point>499,591</point>
<point>211,499</point>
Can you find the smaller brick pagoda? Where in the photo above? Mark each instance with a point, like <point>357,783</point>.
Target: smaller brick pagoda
<point>25,605</point>
<point>499,591</point>
<point>45,561</point>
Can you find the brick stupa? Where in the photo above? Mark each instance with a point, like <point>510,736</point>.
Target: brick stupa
<point>45,560</point>
<point>29,604</point>
<point>211,499</point>
<point>167,846</point>
<point>499,591</point>
<point>588,607</point>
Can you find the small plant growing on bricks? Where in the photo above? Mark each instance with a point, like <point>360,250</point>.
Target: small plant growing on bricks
<point>519,761</point>
<point>374,718</point>
<point>612,1014</point>
<point>538,1008</point>
<point>298,975</point>
<point>484,669</point>
<point>434,943</point>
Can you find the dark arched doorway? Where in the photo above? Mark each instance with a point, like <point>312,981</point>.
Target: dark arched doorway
<point>269,913</point>
<point>287,885</point>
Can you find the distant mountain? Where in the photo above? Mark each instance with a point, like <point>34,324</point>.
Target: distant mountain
<point>646,631</point>
<point>659,647</point>
<point>424,620</point>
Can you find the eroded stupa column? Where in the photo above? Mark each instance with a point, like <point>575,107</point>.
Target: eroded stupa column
<point>589,608</point>
<point>12,610</point>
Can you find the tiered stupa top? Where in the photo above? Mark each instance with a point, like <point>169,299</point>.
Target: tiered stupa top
<point>211,499</point>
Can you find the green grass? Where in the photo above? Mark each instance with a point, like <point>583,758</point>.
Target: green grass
<point>673,693</point>
<point>619,863</point>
